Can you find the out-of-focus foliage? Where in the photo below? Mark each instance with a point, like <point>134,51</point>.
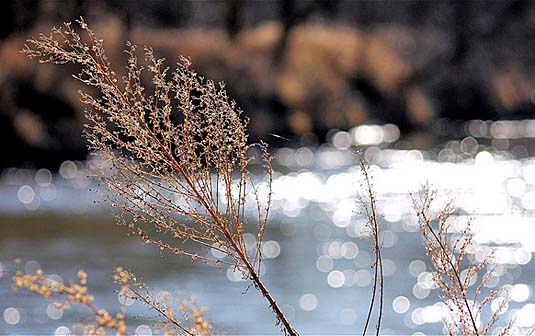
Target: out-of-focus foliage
<point>296,67</point>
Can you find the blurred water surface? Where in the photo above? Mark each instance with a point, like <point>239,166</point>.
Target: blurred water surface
<point>318,260</point>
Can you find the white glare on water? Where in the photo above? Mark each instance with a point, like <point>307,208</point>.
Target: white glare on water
<point>315,197</point>
<point>525,317</point>
<point>143,330</point>
<point>389,267</point>
<point>417,316</point>
<point>520,292</point>
<point>53,312</point>
<point>342,140</point>
<point>12,315</point>
<point>288,311</point>
<point>26,194</point>
<point>420,292</point>
<point>234,274</point>
<point>43,177</point>
<point>62,331</point>
<point>401,304</point>
<point>308,302</point>
<point>433,314</point>
<point>499,305</point>
<point>336,279</point>
<point>348,316</point>
<point>68,169</point>
<point>271,249</point>
<point>324,263</point>
<point>349,250</point>
<point>362,278</point>
<point>126,296</point>
<point>416,267</point>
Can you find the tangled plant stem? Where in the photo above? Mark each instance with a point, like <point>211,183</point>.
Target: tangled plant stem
<point>169,152</point>
<point>368,206</point>
<point>174,156</point>
<point>447,255</point>
<point>75,293</point>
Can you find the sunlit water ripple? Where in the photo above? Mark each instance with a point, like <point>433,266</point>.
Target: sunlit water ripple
<point>317,256</point>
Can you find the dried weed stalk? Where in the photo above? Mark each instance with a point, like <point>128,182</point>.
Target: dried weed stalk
<point>100,321</point>
<point>97,323</point>
<point>454,272</point>
<point>193,321</point>
<point>174,155</point>
<point>368,206</point>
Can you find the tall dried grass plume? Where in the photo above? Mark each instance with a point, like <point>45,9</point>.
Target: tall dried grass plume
<point>455,273</point>
<point>173,154</point>
<point>367,202</point>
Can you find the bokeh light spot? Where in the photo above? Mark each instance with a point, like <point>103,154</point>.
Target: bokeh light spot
<point>12,315</point>
<point>308,302</point>
<point>401,304</point>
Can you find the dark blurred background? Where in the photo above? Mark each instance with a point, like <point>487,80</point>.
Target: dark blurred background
<point>297,68</point>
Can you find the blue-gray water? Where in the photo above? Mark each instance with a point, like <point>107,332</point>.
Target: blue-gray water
<point>318,264</point>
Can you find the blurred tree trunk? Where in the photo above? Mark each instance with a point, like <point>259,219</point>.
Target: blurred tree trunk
<point>291,15</point>
<point>233,21</point>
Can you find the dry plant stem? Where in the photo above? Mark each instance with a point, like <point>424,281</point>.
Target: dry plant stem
<point>159,171</point>
<point>439,251</point>
<point>460,283</point>
<point>78,293</point>
<point>369,207</point>
<point>75,293</point>
<point>257,282</point>
<point>252,271</point>
<point>171,320</point>
<point>141,293</point>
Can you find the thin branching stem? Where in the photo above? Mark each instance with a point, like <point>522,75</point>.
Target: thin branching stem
<point>369,207</point>
<point>142,298</point>
<point>160,145</point>
<point>460,283</point>
<point>454,274</point>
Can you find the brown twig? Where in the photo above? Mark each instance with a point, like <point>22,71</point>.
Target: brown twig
<point>160,171</point>
<point>139,291</point>
<point>447,257</point>
<point>369,207</point>
<point>75,293</point>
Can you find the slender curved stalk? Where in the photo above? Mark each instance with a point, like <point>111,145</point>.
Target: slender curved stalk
<point>161,169</point>
<point>448,277</point>
<point>455,273</point>
<point>370,209</point>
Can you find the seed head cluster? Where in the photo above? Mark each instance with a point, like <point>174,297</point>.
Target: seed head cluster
<point>76,293</point>
<point>193,318</point>
<point>172,152</point>
<point>455,272</point>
